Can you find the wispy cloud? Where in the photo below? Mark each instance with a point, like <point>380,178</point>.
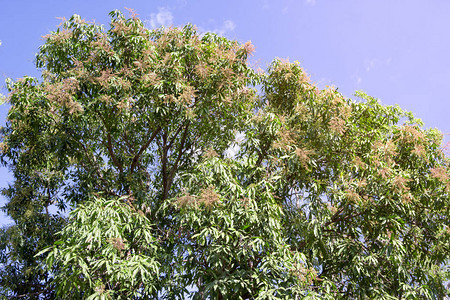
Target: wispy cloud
<point>226,27</point>
<point>164,18</point>
<point>357,79</point>
<point>371,64</point>
<point>310,2</point>
<point>323,82</point>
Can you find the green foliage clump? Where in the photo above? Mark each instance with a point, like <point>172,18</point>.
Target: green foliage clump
<point>135,132</point>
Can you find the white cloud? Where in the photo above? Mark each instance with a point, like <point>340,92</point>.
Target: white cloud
<point>323,82</point>
<point>358,80</point>
<point>164,18</point>
<point>226,27</point>
<point>182,3</point>
<point>229,25</point>
<point>310,2</point>
<point>371,64</point>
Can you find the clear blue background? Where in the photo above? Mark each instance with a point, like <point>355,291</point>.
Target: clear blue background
<point>395,50</point>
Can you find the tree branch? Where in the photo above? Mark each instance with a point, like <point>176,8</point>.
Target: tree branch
<point>177,160</point>
<point>164,162</point>
<point>111,153</point>
<point>334,220</point>
<point>143,148</point>
<point>175,135</point>
<point>110,148</point>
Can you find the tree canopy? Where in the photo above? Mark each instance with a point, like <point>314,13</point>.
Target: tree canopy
<point>188,174</point>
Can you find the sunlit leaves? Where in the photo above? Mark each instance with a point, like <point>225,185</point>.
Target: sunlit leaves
<point>107,248</point>
<point>236,247</point>
<point>363,193</point>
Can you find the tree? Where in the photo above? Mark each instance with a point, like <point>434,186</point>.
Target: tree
<point>130,129</point>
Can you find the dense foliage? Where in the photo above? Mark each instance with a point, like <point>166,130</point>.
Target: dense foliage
<point>188,174</point>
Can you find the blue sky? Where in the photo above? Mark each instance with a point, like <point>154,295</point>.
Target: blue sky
<point>395,50</point>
